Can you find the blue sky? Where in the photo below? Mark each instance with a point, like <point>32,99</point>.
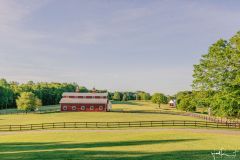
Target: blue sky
<point>120,45</point>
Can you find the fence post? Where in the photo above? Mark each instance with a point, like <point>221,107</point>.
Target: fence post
<point>151,123</point>
<point>184,123</point>
<point>173,123</point>
<point>10,127</point>
<point>20,127</point>
<point>31,127</point>
<point>42,125</point>
<point>206,124</point>
<point>195,123</point>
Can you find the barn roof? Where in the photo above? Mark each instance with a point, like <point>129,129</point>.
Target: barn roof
<point>83,101</point>
<point>171,101</point>
<point>84,94</point>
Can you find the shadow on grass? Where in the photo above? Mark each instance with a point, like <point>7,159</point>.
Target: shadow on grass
<point>110,155</point>
<point>42,146</point>
<point>84,151</point>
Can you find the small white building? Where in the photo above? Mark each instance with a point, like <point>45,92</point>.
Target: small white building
<point>172,103</point>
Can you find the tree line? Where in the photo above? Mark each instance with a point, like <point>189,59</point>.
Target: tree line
<point>158,98</point>
<point>47,93</point>
<point>29,96</point>
<point>216,84</point>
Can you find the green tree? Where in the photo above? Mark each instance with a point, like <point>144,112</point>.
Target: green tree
<point>117,96</point>
<point>6,94</point>
<point>28,102</point>
<point>83,89</point>
<point>125,97</point>
<point>141,95</point>
<point>185,101</point>
<point>219,72</point>
<point>159,99</point>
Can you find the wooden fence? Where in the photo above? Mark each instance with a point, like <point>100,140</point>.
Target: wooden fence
<point>212,118</point>
<point>196,115</point>
<point>72,125</point>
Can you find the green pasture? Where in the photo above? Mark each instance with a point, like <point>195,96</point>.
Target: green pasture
<point>133,144</point>
<point>120,144</point>
<point>146,111</point>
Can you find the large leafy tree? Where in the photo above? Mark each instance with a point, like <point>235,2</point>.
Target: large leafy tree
<point>159,99</point>
<point>141,95</point>
<point>219,72</point>
<point>185,101</point>
<point>6,94</point>
<point>117,96</point>
<point>28,102</point>
<point>125,97</point>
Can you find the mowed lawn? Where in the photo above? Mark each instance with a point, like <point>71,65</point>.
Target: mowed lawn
<point>148,112</point>
<point>133,144</point>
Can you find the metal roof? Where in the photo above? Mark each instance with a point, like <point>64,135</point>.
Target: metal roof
<point>84,94</point>
<point>83,101</point>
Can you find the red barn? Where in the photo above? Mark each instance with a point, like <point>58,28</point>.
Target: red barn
<point>85,102</point>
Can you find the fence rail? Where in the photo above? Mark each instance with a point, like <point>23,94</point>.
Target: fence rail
<point>62,125</point>
<point>196,115</point>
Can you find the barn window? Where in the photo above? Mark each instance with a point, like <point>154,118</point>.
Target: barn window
<point>74,108</point>
<point>100,107</point>
<point>91,107</point>
<point>64,108</point>
<point>83,107</point>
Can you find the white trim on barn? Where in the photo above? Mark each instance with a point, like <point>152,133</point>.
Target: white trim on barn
<point>85,94</point>
<point>83,101</point>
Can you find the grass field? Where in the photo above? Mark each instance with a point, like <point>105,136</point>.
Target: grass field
<point>134,144</point>
<point>120,144</point>
<point>98,116</point>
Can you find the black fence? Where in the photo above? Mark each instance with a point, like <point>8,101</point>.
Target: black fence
<point>137,124</point>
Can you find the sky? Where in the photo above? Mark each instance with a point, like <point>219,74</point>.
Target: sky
<point>124,45</point>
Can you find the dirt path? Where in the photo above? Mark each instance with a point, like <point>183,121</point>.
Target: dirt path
<point>213,131</point>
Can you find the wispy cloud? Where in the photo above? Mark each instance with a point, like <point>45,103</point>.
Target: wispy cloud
<point>12,17</point>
